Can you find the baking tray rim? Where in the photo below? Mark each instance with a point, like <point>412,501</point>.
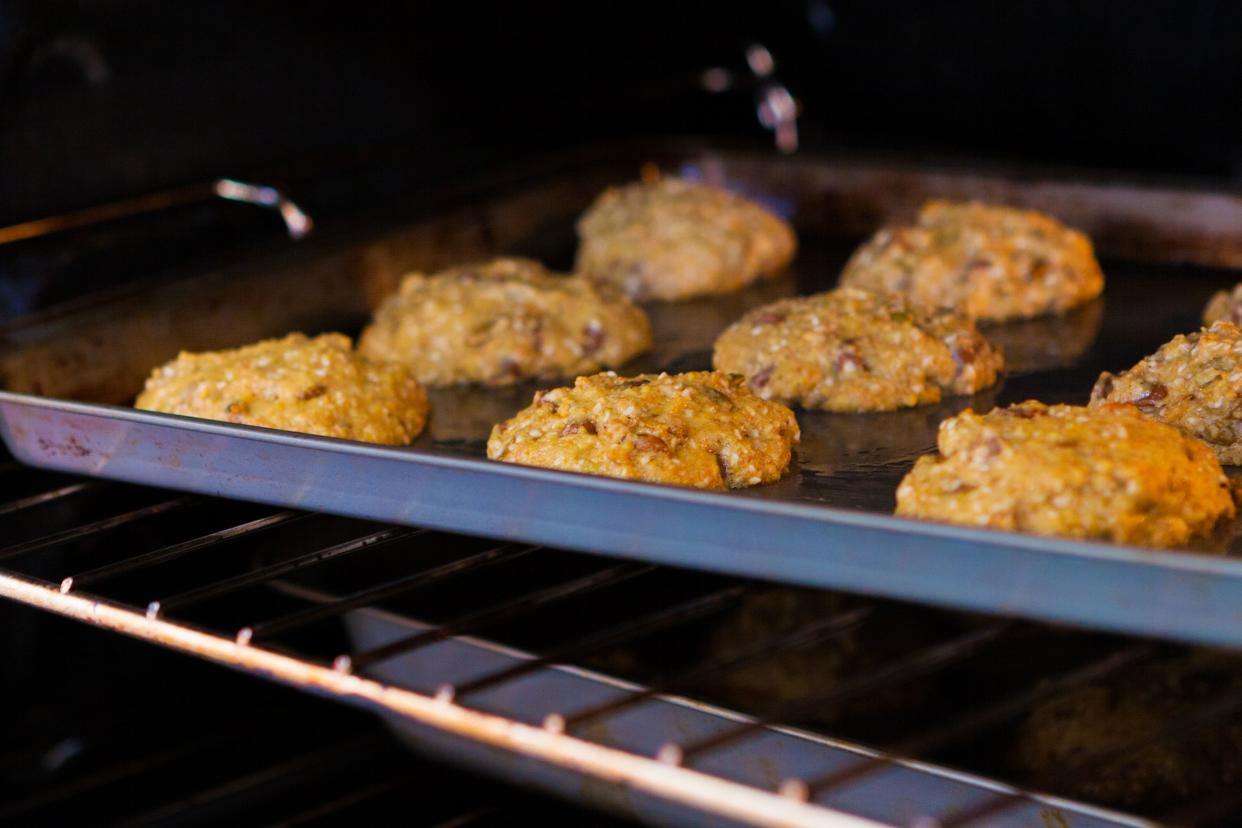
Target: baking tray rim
<point>1175,560</point>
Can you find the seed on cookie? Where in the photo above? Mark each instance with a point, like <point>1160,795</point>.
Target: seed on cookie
<point>703,429</point>
<point>856,350</point>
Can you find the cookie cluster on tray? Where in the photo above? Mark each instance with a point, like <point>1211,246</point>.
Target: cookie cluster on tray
<point>916,319</point>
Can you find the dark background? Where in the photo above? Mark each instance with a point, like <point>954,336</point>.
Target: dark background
<point>102,98</point>
<point>348,105</point>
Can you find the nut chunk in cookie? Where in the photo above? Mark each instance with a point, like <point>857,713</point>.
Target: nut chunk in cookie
<point>703,429</point>
<point>673,239</point>
<point>854,350</point>
<point>1194,383</point>
<point>316,386</point>
<point>985,261</point>
<point>504,321</point>
<point>1105,473</point>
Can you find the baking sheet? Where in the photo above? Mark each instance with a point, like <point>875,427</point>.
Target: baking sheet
<point>827,523</point>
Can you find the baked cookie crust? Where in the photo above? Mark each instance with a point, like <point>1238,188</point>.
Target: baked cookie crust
<point>504,321</point>
<point>855,350</point>
<point>1193,382</point>
<point>314,385</point>
<point>702,429</point>
<point>1105,473</point>
<point>673,239</point>
<point>985,261</point>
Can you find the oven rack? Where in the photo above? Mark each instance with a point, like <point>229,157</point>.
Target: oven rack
<point>646,751</point>
<point>243,763</point>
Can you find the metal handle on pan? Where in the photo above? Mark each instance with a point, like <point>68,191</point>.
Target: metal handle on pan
<point>297,223</point>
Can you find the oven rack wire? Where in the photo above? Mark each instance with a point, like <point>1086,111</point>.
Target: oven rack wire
<point>692,775</point>
<point>255,766</point>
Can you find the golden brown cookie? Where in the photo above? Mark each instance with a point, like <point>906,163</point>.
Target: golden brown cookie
<point>1107,473</point>
<point>673,239</point>
<point>854,350</point>
<point>1056,742</point>
<point>985,261</point>
<point>317,386</point>
<point>1194,383</point>
<point>504,321</point>
<point>702,429</point>
<point>1224,305</point>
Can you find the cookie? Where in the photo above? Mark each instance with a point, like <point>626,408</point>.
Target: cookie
<point>855,350</point>
<point>702,429</point>
<point>313,385</point>
<point>985,261</point>
<point>1194,383</point>
<point>673,239</point>
<point>1054,745</point>
<point>504,321</point>
<point>1106,473</point>
<point>1225,305</point>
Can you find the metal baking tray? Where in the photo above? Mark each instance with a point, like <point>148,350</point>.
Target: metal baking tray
<point>1165,248</point>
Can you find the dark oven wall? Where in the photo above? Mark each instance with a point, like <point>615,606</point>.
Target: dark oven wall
<point>347,105</point>
<point>108,97</point>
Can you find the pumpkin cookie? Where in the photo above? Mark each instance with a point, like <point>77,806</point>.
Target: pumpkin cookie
<point>854,350</point>
<point>673,239</point>
<point>1105,472</point>
<point>317,386</point>
<point>502,322</point>
<point>1194,383</point>
<point>703,429</point>
<point>985,261</point>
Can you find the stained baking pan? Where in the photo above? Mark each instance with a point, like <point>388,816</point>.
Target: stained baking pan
<point>1165,247</point>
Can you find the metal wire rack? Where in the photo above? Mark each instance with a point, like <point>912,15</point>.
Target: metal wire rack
<point>247,759</point>
<point>484,651</point>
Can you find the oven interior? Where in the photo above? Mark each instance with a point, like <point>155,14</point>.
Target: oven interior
<point>871,709</point>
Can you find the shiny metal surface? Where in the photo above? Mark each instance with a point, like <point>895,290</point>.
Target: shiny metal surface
<point>297,223</point>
